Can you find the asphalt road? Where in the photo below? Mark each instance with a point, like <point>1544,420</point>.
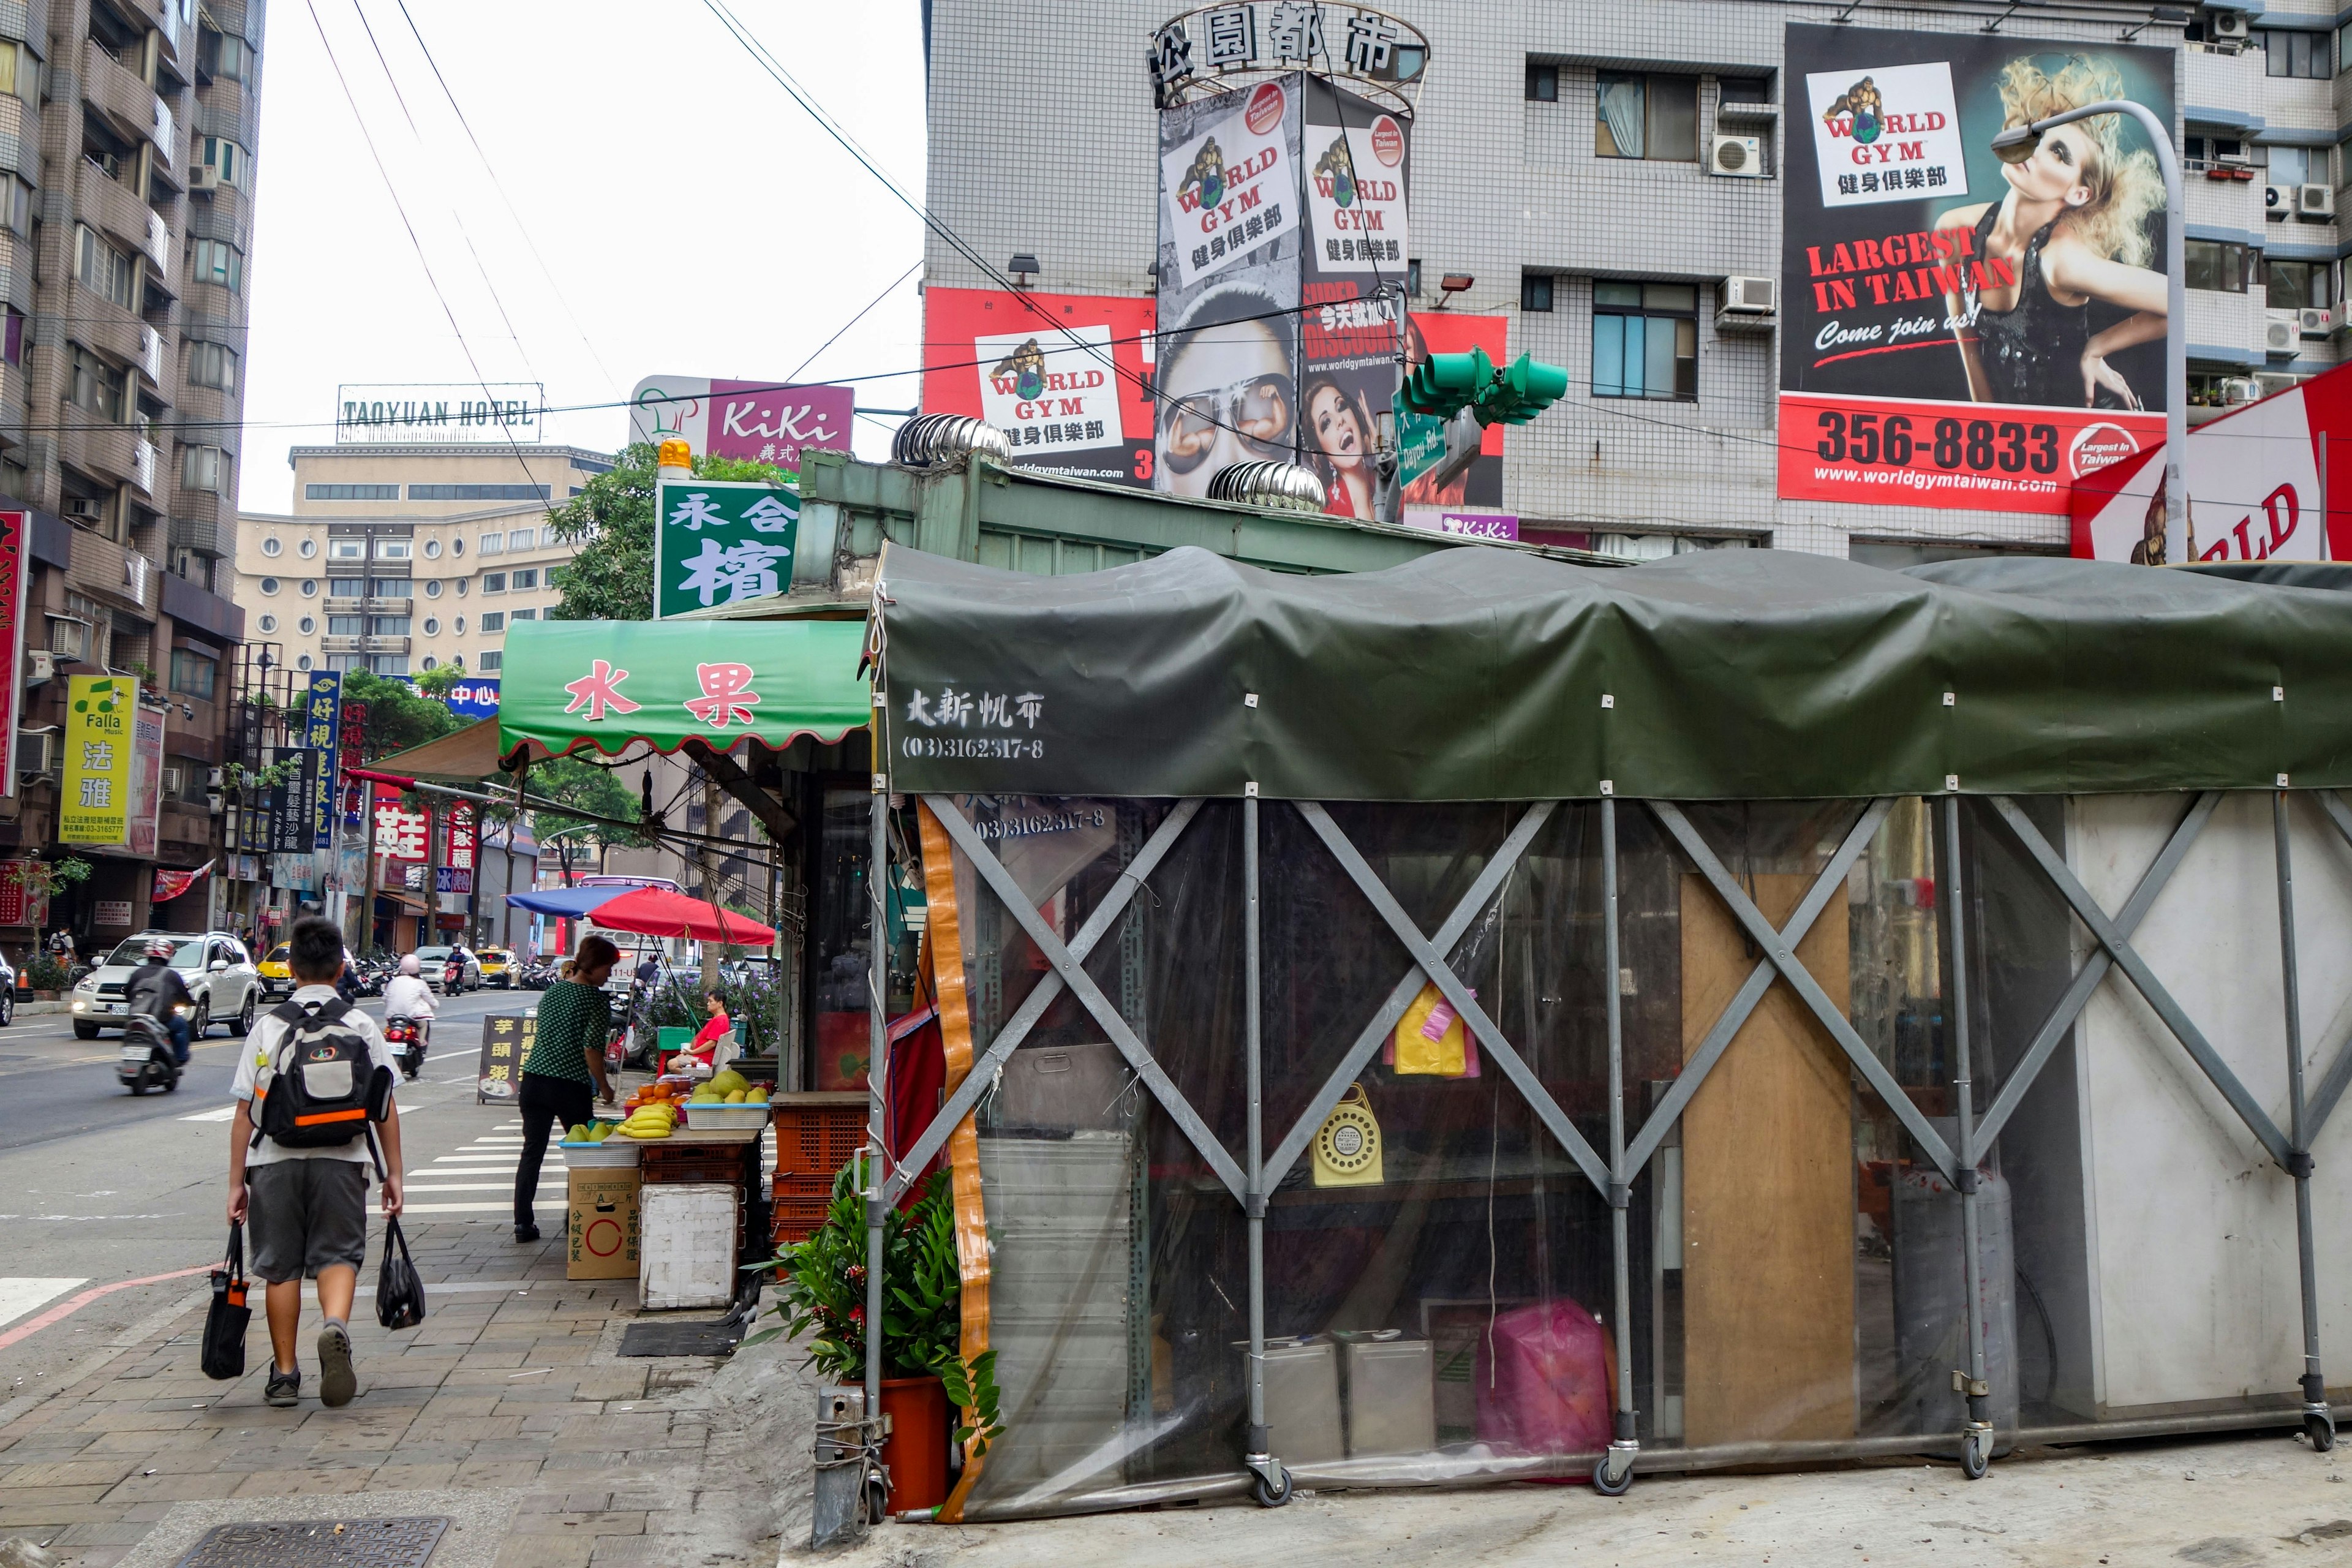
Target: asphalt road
<point>100,1188</point>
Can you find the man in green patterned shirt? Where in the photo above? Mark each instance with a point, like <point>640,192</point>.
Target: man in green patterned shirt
<point>567,1055</point>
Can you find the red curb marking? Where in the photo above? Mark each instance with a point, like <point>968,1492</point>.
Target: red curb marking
<point>68,1308</point>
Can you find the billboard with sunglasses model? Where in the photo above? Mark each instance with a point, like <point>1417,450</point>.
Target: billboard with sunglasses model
<point>1062,375</point>
<point>1283,248</point>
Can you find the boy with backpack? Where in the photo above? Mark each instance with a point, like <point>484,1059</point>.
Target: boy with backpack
<point>311,1093</point>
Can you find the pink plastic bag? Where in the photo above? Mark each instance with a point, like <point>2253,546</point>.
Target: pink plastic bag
<point>1543,1381</point>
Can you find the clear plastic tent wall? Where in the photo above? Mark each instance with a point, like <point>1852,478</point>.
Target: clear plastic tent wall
<point>1436,1143</point>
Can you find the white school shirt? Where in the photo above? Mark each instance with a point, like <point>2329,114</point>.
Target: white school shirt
<point>269,1032</point>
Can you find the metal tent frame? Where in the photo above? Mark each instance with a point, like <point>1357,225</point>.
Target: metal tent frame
<point>1250,1179</point>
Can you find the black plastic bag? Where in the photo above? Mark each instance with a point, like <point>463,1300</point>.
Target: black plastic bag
<point>225,1320</point>
<point>399,1293</point>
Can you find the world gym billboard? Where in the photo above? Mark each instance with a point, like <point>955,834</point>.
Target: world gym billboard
<point>1956,331</point>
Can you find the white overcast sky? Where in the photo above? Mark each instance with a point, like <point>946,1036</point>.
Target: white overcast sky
<point>694,220</point>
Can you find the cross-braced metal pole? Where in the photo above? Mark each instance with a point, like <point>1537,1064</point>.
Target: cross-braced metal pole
<point>1273,1480</point>
<point>1615,1471</point>
<point>2318,1422</point>
<point>1976,1434</point>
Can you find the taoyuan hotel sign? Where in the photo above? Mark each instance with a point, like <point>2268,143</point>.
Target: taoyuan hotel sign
<point>497,412</point>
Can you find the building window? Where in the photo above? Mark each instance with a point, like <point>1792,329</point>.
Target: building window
<point>230,164</point>
<point>1535,291</point>
<point>432,629</point>
<point>346,626</point>
<point>270,546</point>
<point>2293,52</point>
<point>96,387</point>
<point>192,674</point>
<point>345,662</point>
<point>494,581</point>
<point>394,549</point>
<point>12,349</point>
<point>389,587</point>
<point>528,578</point>
<point>346,587</point>
<point>224,55</point>
<point>16,206</point>
<point>200,469</point>
<point>269,623</point>
<point>213,365</point>
<point>431,663</point>
<point>387,625</point>
<point>2295,285</point>
<point>302,661</point>
<point>458,626</point>
<point>217,262</point>
<point>307,549</point>
<point>1543,84</point>
<point>2298,166</point>
<point>388,663</point>
<point>433,550</point>
<point>477,492</point>
<point>492,544</point>
<point>521,539</point>
<point>1652,117</point>
<point>491,659</point>
<point>456,547</point>
<point>1411,285</point>
<point>347,550</point>
<point>104,270</point>
<point>432,588</point>
<point>269,584</point>
<point>310,586</point>
<point>2344,49</point>
<point>307,625</point>
<point>1743,89</point>
<point>69,639</point>
<point>494,620</point>
<point>463,584</point>
<point>2219,264</point>
<point>350,492</point>
<point>1645,340</point>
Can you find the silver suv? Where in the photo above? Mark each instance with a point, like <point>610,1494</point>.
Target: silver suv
<point>214,965</point>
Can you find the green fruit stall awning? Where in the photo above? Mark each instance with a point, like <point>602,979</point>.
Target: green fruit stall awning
<point>614,684</point>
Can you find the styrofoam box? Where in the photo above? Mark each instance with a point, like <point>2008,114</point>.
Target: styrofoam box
<point>686,1254</point>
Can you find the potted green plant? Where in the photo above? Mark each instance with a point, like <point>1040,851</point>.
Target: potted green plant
<point>822,1286</point>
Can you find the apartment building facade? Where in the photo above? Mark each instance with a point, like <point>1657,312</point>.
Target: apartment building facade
<point>1570,232</point>
<point>402,559</point>
<point>127,174</point>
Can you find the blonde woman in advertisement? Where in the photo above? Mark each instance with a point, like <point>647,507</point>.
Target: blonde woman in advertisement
<point>2073,226</point>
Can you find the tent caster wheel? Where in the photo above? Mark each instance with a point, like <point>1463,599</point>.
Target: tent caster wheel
<point>1976,1455</point>
<point>2320,1430</point>
<point>877,1499</point>
<point>1271,1495</point>
<point>1604,1485</point>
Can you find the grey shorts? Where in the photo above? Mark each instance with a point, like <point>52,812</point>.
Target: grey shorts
<point>302,1215</point>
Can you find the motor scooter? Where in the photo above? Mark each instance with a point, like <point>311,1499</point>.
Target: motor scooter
<point>407,1038</point>
<point>147,1060</point>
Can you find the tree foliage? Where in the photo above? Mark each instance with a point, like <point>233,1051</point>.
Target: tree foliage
<point>611,520</point>
<point>589,787</point>
<point>397,718</point>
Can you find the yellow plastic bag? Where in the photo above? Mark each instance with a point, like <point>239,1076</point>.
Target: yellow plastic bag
<point>1430,1037</point>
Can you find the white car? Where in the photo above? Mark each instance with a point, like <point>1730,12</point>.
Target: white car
<point>214,965</point>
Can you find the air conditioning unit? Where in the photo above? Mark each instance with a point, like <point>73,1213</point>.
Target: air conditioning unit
<point>204,177</point>
<point>1737,157</point>
<point>2314,321</point>
<point>2282,332</point>
<point>2273,383</point>
<point>215,778</point>
<point>2278,200</point>
<point>2240,390</point>
<point>40,664</point>
<point>172,782</point>
<point>1745,303</point>
<point>2314,201</point>
<point>2228,27</point>
<point>82,507</point>
<point>37,751</point>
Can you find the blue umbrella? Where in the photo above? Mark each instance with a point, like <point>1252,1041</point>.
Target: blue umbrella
<point>572,903</point>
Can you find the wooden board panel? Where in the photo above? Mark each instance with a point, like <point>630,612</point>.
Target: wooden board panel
<point>1768,1188</point>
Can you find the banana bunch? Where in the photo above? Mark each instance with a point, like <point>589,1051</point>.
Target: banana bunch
<point>655,1119</point>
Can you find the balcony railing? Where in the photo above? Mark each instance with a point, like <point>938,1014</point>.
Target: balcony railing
<point>385,645</point>
<point>340,645</point>
<point>150,353</point>
<point>143,461</point>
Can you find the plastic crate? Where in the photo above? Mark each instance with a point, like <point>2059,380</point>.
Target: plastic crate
<point>797,1216</point>
<point>673,1163</point>
<point>818,1135</point>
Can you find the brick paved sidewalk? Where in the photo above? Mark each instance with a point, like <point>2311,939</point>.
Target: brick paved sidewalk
<point>508,1408</point>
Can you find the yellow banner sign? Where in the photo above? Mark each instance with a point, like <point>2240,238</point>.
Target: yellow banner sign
<point>95,807</point>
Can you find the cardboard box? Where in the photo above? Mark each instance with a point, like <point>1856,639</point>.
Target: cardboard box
<point>603,1224</point>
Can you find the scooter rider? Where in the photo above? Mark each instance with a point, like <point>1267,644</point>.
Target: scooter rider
<point>407,995</point>
<point>156,990</point>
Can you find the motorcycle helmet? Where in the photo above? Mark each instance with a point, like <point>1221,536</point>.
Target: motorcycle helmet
<point>162,950</point>
<point>408,964</point>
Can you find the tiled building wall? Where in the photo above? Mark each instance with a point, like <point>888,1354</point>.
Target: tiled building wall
<point>1504,187</point>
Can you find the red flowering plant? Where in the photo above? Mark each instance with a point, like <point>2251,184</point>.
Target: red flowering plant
<point>821,1283</point>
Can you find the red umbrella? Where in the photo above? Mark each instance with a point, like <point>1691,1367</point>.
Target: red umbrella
<point>657,912</point>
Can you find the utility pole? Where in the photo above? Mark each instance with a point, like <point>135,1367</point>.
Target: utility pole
<point>431,875</point>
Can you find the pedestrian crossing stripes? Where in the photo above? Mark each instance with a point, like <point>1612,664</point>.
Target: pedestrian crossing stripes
<point>23,1294</point>
<point>476,1168</point>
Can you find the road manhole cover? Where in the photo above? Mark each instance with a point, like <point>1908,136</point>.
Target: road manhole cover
<point>319,1544</point>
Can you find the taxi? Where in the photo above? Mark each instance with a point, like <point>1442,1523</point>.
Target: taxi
<point>278,974</point>
<point>499,967</point>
